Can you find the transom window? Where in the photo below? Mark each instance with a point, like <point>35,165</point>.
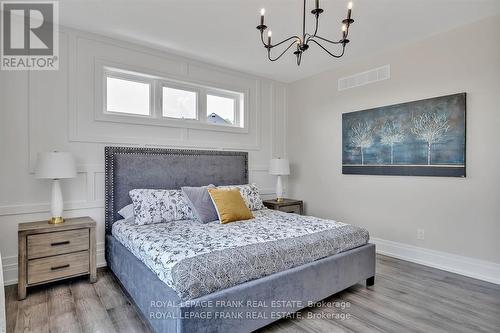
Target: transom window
<point>178,103</point>
<point>220,109</point>
<point>128,96</point>
<point>134,94</point>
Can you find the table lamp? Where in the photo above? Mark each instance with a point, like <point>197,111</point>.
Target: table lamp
<point>55,165</point>
<point>279,167</point>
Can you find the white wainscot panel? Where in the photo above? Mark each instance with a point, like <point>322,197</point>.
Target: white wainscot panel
<point>99,186</point>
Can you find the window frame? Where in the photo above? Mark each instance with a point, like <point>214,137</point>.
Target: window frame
<point>157,82</point>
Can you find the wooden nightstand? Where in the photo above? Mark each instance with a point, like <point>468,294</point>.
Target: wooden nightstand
<point>287,205</point>
<point>51,252</point>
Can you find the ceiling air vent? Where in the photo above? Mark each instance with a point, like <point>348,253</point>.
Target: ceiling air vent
<point>363,78</point>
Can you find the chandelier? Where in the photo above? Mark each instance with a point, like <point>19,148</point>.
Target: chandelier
<point>302,42</point>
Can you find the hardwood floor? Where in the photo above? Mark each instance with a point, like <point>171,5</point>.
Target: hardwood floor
<point>406,298</point>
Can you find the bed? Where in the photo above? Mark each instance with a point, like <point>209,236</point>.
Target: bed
<point>188,277</point>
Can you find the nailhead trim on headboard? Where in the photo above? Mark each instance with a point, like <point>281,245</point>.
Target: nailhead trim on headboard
<point>111,152</point>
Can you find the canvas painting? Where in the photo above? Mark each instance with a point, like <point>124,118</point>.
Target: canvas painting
<point>421,138</point>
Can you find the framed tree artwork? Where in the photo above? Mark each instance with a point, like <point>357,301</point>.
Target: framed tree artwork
<point>421,138</point>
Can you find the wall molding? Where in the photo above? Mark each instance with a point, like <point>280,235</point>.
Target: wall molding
<point>93,199</point>
<point>471,267</point>
<point>88,189</point>
<point>44,207</point>
<point>10,265</point>
<point>183,69</point>
<point>33,208</point>
<point>187,68</point>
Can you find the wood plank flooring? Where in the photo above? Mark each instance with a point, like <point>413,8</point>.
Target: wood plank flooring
<point>406,298</point>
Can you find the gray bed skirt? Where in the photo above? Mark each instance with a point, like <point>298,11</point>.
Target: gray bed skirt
<point>242,308</point>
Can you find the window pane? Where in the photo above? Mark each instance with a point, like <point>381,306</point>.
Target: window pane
<point>179,103</point>
<point>126,96</point>
<point>220,110</point>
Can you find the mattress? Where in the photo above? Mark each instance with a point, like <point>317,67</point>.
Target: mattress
<point>197,259</point>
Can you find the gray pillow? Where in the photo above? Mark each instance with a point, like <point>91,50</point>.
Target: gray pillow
<point>201,203</point>
<point>127,213</point>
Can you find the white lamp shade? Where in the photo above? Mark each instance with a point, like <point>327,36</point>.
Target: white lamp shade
<point>55,165</point>
<point>279,167</point>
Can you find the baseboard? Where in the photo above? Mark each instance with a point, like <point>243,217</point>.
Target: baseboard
<point>475,268</point>
<point>10,265</point>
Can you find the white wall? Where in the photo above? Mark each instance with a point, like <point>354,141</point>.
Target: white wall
<point>460,216</point>
<point>50,110</point>
<point>42,111</point>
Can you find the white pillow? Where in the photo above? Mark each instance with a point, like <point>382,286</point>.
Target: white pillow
<point>156,206</point>
<point>250,194</point>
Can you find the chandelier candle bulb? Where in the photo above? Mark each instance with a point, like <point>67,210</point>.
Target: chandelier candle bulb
<point>344,31</point>
<point>262,12</point>
<point>349,9</point>
<point>317,4</point>
<point>269,34</point>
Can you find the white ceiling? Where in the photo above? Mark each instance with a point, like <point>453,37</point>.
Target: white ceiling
<point>223,31</point>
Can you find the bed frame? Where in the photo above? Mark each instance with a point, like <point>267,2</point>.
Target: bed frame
<point>242,308</point>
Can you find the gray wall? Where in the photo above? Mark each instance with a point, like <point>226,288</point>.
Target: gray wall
<point>460,216</point>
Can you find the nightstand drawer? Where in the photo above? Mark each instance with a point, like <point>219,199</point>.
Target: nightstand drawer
<point>291,209</point>
<point>50,244</point>
<point>65,265</point>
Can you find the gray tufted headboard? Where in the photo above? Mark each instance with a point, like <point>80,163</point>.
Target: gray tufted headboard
<point>129,168</point>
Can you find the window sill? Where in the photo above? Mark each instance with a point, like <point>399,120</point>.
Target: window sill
<point>168,122</point>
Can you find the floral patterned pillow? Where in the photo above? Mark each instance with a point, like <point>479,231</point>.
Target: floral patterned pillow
<point>156,206</point>
<point>250,194</point>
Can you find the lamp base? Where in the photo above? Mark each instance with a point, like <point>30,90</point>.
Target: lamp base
<point>56,204</point>
<point>56,220</point>
<point>279,190</point>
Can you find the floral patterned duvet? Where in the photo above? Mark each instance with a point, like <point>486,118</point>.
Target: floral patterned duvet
<point>196,259</point>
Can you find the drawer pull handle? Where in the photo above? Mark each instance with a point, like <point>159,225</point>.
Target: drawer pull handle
<point>60,243</point>
<point>59,267</point>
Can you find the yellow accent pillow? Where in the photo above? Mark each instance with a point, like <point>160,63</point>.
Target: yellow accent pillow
<point>230,205</point>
